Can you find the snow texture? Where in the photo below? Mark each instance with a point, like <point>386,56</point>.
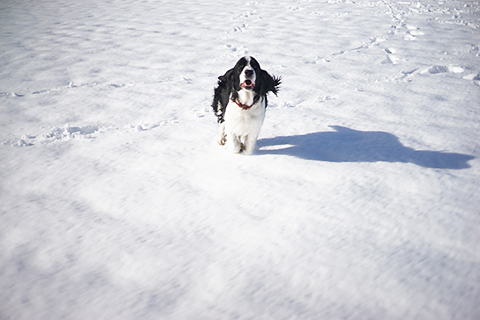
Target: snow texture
<point>361,200</point>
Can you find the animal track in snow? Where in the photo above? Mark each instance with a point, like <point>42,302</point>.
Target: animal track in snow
<point>245,15</point>
<point>412,33</point>
<point>325,98</point>
<point>150,126</point>
<point>441,69</point>
<point>72,85</point>
<point>472,76</point>
<point>67,133</point>
<point>235,51</point>
<point>475,77</point>
<point>373,42</point>
<point>241,28</point>
<point>293,8</point>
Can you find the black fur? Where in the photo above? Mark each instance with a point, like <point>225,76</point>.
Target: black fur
<point>229,85</point>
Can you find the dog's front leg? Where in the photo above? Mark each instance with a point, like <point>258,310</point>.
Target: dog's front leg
<point>222,137</point>
<point>234,143</point>
<point>250,142</point>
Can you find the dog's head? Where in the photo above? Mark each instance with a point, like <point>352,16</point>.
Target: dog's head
<point>247,68</point>
<point>247,75</point>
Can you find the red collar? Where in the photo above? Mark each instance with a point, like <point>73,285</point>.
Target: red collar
<point>244,106</point>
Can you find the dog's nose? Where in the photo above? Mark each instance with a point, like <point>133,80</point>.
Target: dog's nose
<point>249,73</point>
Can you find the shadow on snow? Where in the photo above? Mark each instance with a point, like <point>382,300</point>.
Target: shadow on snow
<point>348,145</point>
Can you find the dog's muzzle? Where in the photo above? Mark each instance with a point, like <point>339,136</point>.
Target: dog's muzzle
<point>248,84</point>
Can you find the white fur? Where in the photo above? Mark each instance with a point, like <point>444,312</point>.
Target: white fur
<point>242,127</point>
<point>243,77</point>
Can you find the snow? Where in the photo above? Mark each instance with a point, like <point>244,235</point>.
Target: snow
<point>361,200</point>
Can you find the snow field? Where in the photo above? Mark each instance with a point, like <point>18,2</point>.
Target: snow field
<point>360,202</point>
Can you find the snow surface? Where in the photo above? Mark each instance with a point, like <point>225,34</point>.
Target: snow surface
<point>361,201</point>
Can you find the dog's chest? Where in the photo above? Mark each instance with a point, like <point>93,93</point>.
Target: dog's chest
<point>244,121</point>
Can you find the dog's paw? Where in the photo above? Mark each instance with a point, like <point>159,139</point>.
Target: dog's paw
<point>222,141</point>
<point>235,147</point>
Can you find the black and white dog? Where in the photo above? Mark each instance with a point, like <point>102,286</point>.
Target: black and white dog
<point>239,103</point>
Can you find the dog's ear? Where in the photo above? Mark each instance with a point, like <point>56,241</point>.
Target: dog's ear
<point>270,84</point>
<point>225,79</point>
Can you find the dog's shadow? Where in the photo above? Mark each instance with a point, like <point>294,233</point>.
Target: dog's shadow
<point>348,145</point>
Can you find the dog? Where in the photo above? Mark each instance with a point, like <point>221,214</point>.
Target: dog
<point>239,103</point>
